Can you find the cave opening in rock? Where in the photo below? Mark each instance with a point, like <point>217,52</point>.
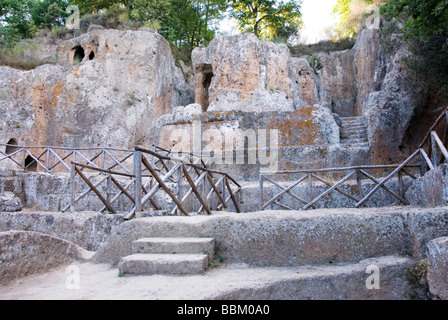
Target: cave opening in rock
<point>10,146</point>
<point>206,84</point>
<point>30,164</point>
<point>78,54</point>
<point>204,80</point>
<point>91,55</point>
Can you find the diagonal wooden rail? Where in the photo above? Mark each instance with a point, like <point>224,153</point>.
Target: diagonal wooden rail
<point>51,159</point>
<point>429,155</point>
<point>191,173</point>
<point>352,185</point>
<point>155,174</point>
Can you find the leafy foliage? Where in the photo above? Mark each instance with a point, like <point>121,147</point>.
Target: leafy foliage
<point>181,22</point>
<point>352,15</point>
<point>422,19</point>
<point>192,22</point>
<point>186,24</point>
<point>49,13</point>
<point>21,19</point>
<point>15,20</point>
<point>425,28</point>
<point>302,50</point>
<point>268,19</point>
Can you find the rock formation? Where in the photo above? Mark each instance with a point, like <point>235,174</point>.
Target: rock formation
<point>35,253</point>
<point>122,88</point>
<point>106,91</point>
<point>242,73</point>
<point>438,267</point>
<point>9,202</point>
<point>362,91</point>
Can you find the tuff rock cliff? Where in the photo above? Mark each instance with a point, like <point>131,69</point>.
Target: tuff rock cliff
<point>122,88</point>
<point>121,83</point>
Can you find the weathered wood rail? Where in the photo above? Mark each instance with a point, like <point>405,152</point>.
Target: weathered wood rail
<point>57,159</point>
<point>154,174</point>
<point>352,185</point>
<point>429,155</point>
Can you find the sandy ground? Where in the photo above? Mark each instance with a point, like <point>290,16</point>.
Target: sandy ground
<point>102,282</point>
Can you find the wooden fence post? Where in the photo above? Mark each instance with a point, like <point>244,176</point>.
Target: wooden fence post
<point>109,188</point>
<point>310,186</point>
<point>422,164</point>
<point>179,186</point>
<point>72,188</point>
<point>138,183</point>
<point>434,152</point>
<point>359,182</point>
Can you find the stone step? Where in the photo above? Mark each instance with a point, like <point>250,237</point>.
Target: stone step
<point>354,128</point>
<point>357,145</point>
<point>382,278</point>
<point>352,119</point>
<point>353,132</point>
<point>352,124</point>
<point>355,135</point>
<point>353,140</point>
<point>174,245</point>
<point>172,264</point>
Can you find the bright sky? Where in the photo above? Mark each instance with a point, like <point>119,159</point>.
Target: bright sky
<point>317,15</point>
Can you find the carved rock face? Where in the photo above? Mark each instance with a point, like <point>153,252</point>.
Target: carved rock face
<point>9,202</point>
<point>242,73</point>
<point>109,87</point>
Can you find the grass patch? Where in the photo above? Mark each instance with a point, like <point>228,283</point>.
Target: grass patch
<point>23,56</point>
<point>302,50</point>
<point>183,54</point>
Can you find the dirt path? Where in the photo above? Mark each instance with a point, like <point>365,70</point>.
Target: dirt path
<point>101,282</point>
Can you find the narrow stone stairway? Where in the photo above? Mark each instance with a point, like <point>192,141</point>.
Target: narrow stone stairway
<point>354,132</point>
<point>173,256</point>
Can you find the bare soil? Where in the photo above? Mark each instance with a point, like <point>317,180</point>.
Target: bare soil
<point>103,282</point>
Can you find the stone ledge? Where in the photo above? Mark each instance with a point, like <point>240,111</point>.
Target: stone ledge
<point>88,230</point>
<point>293,238</point>
<point>438,268</point>
<point>25,252</point>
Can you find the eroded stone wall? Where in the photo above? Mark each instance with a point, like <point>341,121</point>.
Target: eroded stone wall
<point>126,80</point>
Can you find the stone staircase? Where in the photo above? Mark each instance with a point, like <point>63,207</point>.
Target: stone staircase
<point>354,132</point>
<point>331,254</point>
<point>171,256</point>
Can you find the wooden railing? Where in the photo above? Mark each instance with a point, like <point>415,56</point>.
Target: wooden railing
<point>57,159</point>
<point>156,174</point>
<point>352,185</point>
<point>431,152</point>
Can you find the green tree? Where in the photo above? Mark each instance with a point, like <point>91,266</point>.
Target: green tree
<point>423,19</point>
<point>425,28</point>
<point>92,6</point>
<point>268,19</point>
<point>191,23</point>
<point>15,20</point>
<point>182,22</point>
<point>351,14</point>
<point>47,14</point>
